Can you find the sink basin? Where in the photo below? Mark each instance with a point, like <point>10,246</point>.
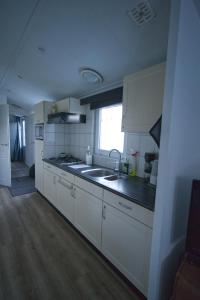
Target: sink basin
<point>111,177</point>
<point>115,177</point>
<point>98,172</point>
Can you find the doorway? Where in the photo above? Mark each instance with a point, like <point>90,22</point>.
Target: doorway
<point>17,147</point>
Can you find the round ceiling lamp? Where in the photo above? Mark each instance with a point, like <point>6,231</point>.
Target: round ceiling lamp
<point>91,76</point>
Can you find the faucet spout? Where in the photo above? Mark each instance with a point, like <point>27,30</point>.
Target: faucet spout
<point>119,161</point>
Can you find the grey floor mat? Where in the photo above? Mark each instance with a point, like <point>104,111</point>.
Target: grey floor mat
<point>22,185</point>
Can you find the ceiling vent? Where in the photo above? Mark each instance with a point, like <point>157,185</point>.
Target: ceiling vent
<point>142,13</point>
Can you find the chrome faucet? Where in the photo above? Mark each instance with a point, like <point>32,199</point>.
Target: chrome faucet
<point>117,168</point>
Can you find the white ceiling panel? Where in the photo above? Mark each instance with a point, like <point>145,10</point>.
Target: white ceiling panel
<point>75,34</point>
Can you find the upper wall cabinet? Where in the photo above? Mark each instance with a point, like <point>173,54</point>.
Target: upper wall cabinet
<point>42,109</point>
<point>71,105</point>
<point>142,99</point>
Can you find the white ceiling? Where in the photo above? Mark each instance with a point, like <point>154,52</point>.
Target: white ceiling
<point>74,34</point>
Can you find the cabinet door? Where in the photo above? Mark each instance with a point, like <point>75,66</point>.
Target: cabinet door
<point>39,113</point>
<point>66,201</point>
<point>126,243</point>
<point>50,187</point>
<point>142,99</point>
<point>39,145</point>
<point>88,216</point>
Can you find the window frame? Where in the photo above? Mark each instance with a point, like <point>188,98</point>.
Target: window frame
<point>97,131</point>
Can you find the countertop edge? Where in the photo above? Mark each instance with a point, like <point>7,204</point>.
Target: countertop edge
<point>85,177</point>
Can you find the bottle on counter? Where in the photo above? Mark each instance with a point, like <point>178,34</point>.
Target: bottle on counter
<point>125,165</point>
<point>88,156</point>
<point>133,163</point>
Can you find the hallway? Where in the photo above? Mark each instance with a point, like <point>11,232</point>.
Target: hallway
<point>19,169</point>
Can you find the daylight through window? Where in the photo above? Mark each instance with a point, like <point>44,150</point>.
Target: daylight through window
<point>110,135</point>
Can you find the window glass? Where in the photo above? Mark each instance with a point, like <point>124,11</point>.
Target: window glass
<point>110,135</point>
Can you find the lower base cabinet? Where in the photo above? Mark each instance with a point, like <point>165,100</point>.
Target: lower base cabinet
<point>50,187</point>
<point>121,231</point>
<point>65,198</point>
<point>126,243</point>
<point>88,216</point>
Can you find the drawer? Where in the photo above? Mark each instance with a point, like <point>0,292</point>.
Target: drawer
<point>89,187</point>
<point>49,167</point>
<point>133,210</point>
<point>64,174</point>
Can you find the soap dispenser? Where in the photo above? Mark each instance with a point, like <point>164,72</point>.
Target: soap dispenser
<point>88,156</point>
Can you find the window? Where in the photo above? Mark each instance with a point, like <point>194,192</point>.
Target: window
<point>109,133</point>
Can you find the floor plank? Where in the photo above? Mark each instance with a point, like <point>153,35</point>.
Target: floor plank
<point>43,257</point>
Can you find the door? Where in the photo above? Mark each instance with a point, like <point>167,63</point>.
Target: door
<point>65,199</point>
<point>39,146</point>
<point>88,216</point>
<point>5,164</point>
<point>50,187</point>
<point>126,243</point>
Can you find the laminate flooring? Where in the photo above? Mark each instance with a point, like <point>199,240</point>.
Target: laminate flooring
<point>43,257</point>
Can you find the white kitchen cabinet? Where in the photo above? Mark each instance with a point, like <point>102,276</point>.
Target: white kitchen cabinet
<point>65,198</point>
<point>71,105</point>
<point>142,99</point>
<point>41,111</point>
<point>39,182</point>
<point>88,216</point>
<point>50,186</point>
<point>126,242</point>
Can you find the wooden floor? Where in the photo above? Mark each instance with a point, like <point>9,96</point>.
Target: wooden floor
<point>19,169</point>
<point>43,257</point>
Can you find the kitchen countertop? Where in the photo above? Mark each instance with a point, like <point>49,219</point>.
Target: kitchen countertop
<point>132,188</point>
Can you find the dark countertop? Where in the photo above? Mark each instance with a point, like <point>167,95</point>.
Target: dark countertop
<point>132,188</point>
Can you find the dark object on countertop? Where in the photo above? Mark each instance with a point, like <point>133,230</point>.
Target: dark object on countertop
<point>32,171</point>
<point>155,131</point>
<point>188,276</point>
<point>149,158</point>
<point>22,185</point>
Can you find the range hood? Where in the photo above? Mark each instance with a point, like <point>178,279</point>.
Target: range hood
<point>66,118</point>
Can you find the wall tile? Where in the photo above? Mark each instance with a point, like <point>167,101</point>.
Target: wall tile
<point>60,139</point>
<point>147,145</point>
<point>50,138</point>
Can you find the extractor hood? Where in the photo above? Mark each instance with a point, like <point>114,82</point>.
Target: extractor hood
<point>66,118</point>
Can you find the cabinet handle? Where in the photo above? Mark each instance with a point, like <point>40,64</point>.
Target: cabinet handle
<point>74,193</point>
<point>65,184</point>
<point>104,212</point>
<point>125,206</point>
<point>63,174</point>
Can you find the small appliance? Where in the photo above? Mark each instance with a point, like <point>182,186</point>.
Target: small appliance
<point>39,131</point>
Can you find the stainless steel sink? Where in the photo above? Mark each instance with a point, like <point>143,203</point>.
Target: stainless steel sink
<point>115,177</point>
<point>100,172</point>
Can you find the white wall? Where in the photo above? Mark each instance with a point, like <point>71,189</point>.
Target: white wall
<point>3,98</point>
<point>180,147</point>
<point>30,141</point>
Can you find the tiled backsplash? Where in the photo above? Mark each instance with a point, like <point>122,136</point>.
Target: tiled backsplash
<point>74,139</point>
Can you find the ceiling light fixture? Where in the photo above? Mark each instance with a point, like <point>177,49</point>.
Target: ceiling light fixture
<point>90,75</point>
<point>41,49</point>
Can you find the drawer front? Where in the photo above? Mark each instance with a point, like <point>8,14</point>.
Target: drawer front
<point>49,167</point>
<point>63,174</point>
<point>89,187</point>
<point>133,210</point>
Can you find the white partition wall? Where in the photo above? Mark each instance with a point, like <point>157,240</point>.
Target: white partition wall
<point>180,146</point>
